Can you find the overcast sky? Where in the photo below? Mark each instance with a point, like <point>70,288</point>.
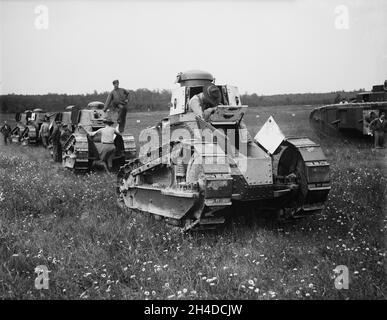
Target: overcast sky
<point>267,47</point>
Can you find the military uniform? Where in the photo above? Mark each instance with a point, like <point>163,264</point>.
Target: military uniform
<point>56,145</point>
<point>44,133</point>
<point>107,149</point>
<point>379,127</point>
<point>118,100</point>
<point>198,105</point>
<point>6,131</point>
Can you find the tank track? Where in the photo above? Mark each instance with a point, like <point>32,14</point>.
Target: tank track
<point>122,175</point>
<point>204,218</point>
<point>312,176</point>
<point>69,150</point>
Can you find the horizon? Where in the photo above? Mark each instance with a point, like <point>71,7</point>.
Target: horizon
<point>159,90</point>
<point>169,90</point>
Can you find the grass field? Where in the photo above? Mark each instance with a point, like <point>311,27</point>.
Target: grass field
<point>95,250</point>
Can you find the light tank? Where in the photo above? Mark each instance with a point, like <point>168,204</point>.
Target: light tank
<point>80,150</point>
<point>195,173</point>
<point>27,127</point>
<point>352,117</point>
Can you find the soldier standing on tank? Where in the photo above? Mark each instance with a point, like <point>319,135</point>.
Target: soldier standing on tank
<point>55,140</point>
<point>6,131</point>
<point>379,127</point>
<point>118,99</point>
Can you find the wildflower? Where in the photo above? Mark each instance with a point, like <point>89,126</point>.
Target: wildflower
<point>146,293</point>
<point>251,282</point>
<point>185,290</point>
<point>256,290</point>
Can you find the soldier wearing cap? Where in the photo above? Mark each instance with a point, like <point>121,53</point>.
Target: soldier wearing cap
<point>118,99</point>
<point>6,131</point>
<point>44,132</point>
<point>108,148</point>
<point>204,104</point>
<point>55,140</point>
<point>379,127</point>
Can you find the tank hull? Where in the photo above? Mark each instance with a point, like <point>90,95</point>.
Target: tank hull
<point>350,117</point>
<point>200,195</point>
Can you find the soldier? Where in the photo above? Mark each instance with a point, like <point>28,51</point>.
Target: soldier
<point>378,128</point>
<point>44,132</point>
<point>64,135</point>
<point>204,104</point>
<point>55,140</point>
<point>6,131</point>
<point>118,99</point>
<point>107,139</point>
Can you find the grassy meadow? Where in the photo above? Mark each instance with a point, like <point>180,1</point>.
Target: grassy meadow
<point>93,249</point>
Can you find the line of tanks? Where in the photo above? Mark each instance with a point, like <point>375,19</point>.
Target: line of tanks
<point>79,150</point>
<point>194,173</point>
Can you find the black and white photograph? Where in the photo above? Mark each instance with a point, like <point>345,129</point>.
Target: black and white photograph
<point>193,156</point>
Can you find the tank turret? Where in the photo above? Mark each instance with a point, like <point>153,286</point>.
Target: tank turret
<point>194,78</point>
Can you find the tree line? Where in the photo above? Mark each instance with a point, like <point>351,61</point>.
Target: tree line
<point>157,100</point>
